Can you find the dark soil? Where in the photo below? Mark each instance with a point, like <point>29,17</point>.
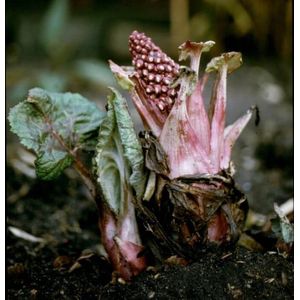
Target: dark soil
<point>239,274</point>
<point>68,264</point>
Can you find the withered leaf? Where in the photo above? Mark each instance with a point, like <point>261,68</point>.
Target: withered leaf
<point>155,156</point>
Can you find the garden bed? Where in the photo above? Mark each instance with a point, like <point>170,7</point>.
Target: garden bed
<point>68,263</point>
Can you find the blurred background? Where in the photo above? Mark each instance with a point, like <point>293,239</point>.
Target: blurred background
<point>64,45</point>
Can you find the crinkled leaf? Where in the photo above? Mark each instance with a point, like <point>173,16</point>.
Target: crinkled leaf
<point>109,161</point>
<point>131,144</point>
<point>120,172</point>
<point>119,160</point>
<point>50,164</point>
<point>156,159</point>
<point>53,125</point>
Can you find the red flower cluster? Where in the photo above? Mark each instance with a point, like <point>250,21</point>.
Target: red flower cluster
<point>155,70</point>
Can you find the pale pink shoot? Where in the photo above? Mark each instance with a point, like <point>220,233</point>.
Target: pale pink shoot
<point>195,106</point>
<point>226,63</point>
<point>186,155</point>
<point>232,132</point>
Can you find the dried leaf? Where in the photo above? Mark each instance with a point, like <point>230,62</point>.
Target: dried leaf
<point>24,235</point>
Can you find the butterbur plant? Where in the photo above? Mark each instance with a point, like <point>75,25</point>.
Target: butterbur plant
<point>194,190</point>
<point>169,190</point>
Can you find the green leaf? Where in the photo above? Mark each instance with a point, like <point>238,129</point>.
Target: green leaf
<point>284,229</point>
<point>50,164</point>
<point>119,160</point>
<point>54,126</point>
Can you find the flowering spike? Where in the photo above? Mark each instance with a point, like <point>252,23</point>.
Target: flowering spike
<point>151,115</point>
<point>155,72</point>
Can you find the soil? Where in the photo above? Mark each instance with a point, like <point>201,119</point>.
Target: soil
<point>68,264</point>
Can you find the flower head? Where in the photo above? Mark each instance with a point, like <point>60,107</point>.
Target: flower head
<point>154,71</point>
<point>170,102</point>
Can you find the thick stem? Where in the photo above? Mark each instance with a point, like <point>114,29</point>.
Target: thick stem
<point>86,177</point>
